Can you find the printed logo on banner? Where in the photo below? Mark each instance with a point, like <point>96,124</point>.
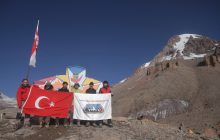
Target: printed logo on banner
<point>93,108</point>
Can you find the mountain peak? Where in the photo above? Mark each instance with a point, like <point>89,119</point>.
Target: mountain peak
<point>6,102</point>
<point>184,46</point>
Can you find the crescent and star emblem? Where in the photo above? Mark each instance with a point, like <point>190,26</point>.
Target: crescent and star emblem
<point>52,104</point>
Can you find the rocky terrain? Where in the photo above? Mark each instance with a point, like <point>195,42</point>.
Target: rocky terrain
<point>175,96</point>
<point>180,85</point>
<point>123,129</point>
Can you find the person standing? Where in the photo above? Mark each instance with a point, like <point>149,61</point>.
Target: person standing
<point>91,90</point>
<point>63,89</point>
<point>76,89</point>
<point>45,119</point>
<point>105,90</point>
<point>21,96</point>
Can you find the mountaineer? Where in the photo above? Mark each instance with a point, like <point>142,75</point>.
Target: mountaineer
<point>76,89</point>
<point>91,90</point>
<point>106,90</point>
<point>22,95</point>
<point>45,119</point>
<point>64,89</point>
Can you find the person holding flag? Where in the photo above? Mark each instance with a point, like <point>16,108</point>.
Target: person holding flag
<point>64,89</point>
<point>106,90</point>
<point>21,96</point>
<point>75,89</point>
<point>91,90</point>
<point>24,88</point>
<point>46,119</point>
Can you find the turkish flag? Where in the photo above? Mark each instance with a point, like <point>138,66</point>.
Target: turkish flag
<point>48,103</point>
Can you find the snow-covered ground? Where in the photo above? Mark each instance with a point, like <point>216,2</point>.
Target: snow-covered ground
<point>180,46</point>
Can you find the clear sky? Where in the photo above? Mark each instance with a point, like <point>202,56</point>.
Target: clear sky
<point>110,38</point>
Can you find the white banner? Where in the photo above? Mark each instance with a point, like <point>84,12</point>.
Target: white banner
<point>92,106</point>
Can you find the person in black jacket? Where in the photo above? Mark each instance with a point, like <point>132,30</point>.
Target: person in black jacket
<point>91,90</point>
<point>63,89</point>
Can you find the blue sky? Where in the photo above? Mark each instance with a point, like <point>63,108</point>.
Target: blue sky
<point>110,38</point>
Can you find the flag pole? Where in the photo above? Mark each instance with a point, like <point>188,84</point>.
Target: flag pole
<point>28,72</point>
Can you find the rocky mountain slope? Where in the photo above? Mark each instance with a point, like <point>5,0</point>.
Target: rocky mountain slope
<point>179,85</point>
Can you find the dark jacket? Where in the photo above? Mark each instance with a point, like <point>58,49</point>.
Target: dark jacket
<point>91,91</point>
<point>48,87</point>
<point>63,90</point>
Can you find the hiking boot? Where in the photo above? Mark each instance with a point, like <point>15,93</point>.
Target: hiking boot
<point>41,125</point>
<point>94,124</point>
<point>65,125</point>
<point>100,125</point>
<point>110,125</point>
<point>26,124</point>
<point>78,123</point>
<point>47,125</point>
<point>56,125</point>
<point>71,125</point>
<point>87,124</point>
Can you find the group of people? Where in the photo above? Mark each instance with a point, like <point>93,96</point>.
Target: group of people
<point>23,92</point>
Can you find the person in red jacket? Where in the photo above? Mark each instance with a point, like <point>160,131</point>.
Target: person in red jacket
<point>22,95</point>
<point>105,90</point>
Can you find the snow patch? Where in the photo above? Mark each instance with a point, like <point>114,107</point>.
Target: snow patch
<point>168,57</point>
<point>180,46</point>
<point>146,65</point>
<point>122,81</point>
<point>184,38</point>
<point>193,55</point>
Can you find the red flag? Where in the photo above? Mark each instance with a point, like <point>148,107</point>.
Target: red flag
<point>34,48</point>
<point>48,103</point>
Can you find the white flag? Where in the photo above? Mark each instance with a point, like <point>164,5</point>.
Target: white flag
<point>92,106</point>
<point>34,48</point>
